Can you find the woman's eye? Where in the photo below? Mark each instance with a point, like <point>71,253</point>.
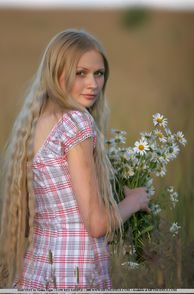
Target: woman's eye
<point>80,73</point>
<point>99,73</point>
<point>83,73</point>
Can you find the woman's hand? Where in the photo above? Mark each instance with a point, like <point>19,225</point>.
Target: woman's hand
<point>138,198</point>
<point>135,200</point>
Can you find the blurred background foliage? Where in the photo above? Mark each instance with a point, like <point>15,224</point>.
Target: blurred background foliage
<point>135,17</point>
<point>152,70</point>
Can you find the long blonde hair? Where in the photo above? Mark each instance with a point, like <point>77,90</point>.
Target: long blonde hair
<point>62,53</point>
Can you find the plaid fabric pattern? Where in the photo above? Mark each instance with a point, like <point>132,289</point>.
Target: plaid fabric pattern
<point>63,254</point>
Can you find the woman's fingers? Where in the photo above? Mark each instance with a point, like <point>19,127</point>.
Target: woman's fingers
<point>139,197</point>
<point>145,199</point>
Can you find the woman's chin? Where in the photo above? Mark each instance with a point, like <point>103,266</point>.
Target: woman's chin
<point>87,104</point>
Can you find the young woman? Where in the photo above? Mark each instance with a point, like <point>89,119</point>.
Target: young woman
<point>59,209</point>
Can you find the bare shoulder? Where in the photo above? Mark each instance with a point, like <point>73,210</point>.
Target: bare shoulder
<point>44,126</point>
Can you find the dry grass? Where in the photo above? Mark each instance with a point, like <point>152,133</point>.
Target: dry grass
<point>168,263</point>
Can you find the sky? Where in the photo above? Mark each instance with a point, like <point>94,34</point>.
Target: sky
<point>171,4</point>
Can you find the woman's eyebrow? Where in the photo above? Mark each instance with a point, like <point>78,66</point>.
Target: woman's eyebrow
<point>85,68</point>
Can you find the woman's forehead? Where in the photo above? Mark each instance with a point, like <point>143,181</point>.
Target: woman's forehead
<point>91,58</point>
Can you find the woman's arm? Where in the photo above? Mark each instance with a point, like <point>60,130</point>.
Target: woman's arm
<point>86,188</point>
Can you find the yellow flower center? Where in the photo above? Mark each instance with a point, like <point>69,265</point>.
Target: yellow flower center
<point>159,120</point>
<point>141,147</point>
<point>160,135</point>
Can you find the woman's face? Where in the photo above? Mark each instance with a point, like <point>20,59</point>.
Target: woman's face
<point>89,78</point>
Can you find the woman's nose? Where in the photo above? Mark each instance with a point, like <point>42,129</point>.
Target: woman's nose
<point>91,82</point>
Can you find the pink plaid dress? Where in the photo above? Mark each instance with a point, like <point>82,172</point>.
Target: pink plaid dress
<point>63,253</point>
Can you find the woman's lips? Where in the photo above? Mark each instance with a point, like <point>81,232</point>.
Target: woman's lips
<point>89,96</point>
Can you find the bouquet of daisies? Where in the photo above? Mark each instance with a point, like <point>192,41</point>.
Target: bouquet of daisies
<point>137,165</point>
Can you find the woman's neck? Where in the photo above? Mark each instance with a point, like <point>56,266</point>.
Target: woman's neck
<point>51,108</point>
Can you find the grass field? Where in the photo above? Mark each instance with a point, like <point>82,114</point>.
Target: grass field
<point>152,70</point>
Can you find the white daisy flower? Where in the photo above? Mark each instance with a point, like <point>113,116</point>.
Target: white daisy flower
<point>154,157</point>
<point>113,151</point>
<point>160,136</point>
<point>135,162</point>
<point>167,156</point>
<point>170,189</point>
<point>159,120</point>
<point>120,139</point>
<point>127,171</point>
<point>156,209</point>
<point>174,229</point>
<point>146,135</point>
<point>171,139</point>
<point>168,131</point>
<point>153,145</point>
<point>174,150</point>
<point>129,153</point>
<point>110,142</point>
<point>169,135</point>
<point>181,139</point>
<point>131,264</point>
<point>141,147</point>
<point>150,191</point>
<point>118,132</point>
<point>174,198</point>
<point>149,183</point>
<point>162,159</point>
<point>173,195</point>
<point>161,172</point>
